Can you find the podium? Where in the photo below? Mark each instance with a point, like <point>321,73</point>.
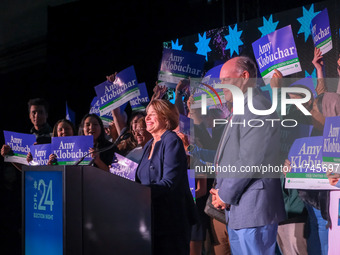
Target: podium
<point>84,210</point>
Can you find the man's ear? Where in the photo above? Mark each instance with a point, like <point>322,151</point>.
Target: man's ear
<point>245,76</point>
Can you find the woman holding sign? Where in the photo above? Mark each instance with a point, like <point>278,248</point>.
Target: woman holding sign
<point>91,124</point>
<point>163,168</point>
<point>61,128</point>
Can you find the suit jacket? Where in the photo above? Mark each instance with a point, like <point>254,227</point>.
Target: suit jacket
<point>255,201</point>
<point>166,174</point>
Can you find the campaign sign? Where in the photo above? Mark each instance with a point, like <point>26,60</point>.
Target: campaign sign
<point>40,154</point>
<point>20,144</point>
<point>277,50</point>
<point>123,167</point>
<point>140,103</point>
<point>321,32</point>
<point>114,94</point>
<point>70,149</point>
<point>308,171</point>
<point>43,212</point>
<point>177,65</point>
<point>331,144</point>
<point>106,118</point>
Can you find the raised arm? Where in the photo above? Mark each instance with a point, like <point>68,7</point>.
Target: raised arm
<point>318,64</point>
<point>158,91</point>
<point>119,119</point>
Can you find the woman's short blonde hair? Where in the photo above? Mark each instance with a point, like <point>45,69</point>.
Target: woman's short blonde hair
<point>167,111</point>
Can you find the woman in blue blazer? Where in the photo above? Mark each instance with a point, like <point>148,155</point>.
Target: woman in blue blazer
<point>163,168</point>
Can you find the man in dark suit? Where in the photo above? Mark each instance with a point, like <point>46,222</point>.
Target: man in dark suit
<point>253,203</point>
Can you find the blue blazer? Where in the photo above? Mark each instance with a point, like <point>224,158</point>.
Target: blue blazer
<point>255,201</point>
<point>166,174</point>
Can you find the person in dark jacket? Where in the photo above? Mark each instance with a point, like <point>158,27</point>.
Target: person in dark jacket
<point>163,168</point>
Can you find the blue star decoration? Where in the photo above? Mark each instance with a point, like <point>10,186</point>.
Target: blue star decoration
<point>313,76</point>
<point>175,46</point>
<point>234,40</point>
<point>203,45</point>
<point>305,21</point>
<point>268,26</point>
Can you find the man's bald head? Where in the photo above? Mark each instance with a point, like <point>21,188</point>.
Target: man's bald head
<point>239,71</point>
<point>240,64</point>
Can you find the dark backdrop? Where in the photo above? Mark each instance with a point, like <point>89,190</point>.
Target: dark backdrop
<point>88,40</point>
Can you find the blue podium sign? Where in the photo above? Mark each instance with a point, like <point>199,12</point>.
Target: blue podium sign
<point>43,212</point>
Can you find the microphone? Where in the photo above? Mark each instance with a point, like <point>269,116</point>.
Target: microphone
<point>122,137</point>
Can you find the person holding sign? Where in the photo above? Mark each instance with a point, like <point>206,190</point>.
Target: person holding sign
<point>317,239</point>
<point>122,125</point>
<point>111,131</point>
<point>62,128</point>
<point>291,237</point>
<point>163,168</point>
<point>318,64</point>
<point>326,104</point>
<point>38,113</point>
<point>91,124</point>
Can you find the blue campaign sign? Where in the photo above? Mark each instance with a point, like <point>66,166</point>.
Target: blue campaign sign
<point>182,62</point>
<point>277,50</point>
<point>123,167</point>
<point>70,149</point>
<point>308,170</point>
<point>305,155</point>
<point>321,32</point>
<point>140,102</point>
<point>123,89</point>
<point>20,144</point>
<point>106,118</point>
<point>43,213</point>
<point>94,107</point>
<point>177,65</point>
<point>40,154</point>
<point>331,140</point>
